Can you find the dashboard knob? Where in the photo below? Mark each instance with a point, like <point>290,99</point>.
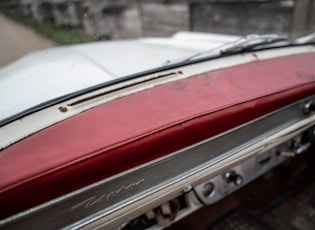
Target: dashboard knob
<point>309,107</point>
<point>208,189</point>
<point>233,177</point>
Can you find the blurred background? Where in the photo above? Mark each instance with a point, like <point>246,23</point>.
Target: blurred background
<point>75,21</point>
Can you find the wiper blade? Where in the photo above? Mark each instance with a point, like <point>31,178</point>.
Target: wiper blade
<point>305,39</point>
<point>253,41</point>
<point>247,43</point>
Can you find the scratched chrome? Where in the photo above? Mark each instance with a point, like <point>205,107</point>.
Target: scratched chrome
<point>93,202</point>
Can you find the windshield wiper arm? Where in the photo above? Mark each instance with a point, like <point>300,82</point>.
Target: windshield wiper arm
<point>305,39</point>
<point>242,44</point>
<point>253,41</point>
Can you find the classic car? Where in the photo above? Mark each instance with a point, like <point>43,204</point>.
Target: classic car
<point>155,133</point>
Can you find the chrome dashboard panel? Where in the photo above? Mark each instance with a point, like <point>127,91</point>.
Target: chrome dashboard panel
<point>249,170</point>
<point>112,198</point>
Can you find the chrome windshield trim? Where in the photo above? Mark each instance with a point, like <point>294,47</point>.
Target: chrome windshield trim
<point>169,67</point>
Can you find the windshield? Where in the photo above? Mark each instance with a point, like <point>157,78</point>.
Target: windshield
<point>127,38</point>
<point>29,25</point>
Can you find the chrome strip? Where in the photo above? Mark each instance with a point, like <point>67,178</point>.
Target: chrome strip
<point>115,194</point>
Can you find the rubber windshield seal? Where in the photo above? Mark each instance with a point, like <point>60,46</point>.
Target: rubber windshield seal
<point>66,97</point>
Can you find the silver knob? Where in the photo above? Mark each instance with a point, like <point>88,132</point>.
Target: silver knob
<point>309,107</point>
<point>208,190</point>
<point>233,177</point>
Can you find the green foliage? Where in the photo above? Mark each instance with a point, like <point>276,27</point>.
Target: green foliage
<point>60,35</point>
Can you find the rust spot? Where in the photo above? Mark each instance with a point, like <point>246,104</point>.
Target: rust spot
<point>63,109</point>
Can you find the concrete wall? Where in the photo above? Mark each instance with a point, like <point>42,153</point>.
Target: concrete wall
<point>117,19</point>
<point>136,18</point>
<point>67,14</point>
<point>303,18</point>
<point>235,17</point>
<point>164,19</point>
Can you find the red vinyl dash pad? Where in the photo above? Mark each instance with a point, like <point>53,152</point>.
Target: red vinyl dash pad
<point>146,125</point>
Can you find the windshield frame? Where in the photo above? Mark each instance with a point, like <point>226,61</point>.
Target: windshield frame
<point>168,67</point>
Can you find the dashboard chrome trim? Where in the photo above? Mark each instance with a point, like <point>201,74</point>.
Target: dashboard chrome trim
<point>122,197</point>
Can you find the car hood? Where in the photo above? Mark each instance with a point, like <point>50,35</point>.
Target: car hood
<point>49,74</point>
